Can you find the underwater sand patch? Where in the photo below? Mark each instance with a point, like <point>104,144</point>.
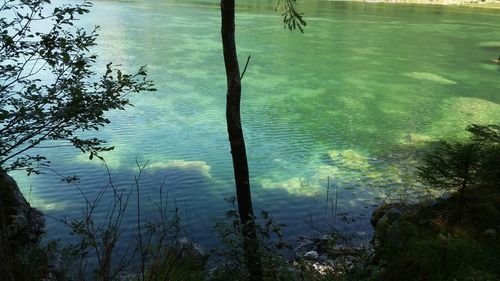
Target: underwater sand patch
<point>459,112</point>
<point>326,171</point>
<point>295,185</point>
<point>490,44</point>
<point>432,77</point>
<point>349,158</point>
<point>415,138</point>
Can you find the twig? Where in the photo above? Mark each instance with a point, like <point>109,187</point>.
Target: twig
<point>245,69</point>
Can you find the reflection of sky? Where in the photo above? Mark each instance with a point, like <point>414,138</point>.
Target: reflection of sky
<point>338,103</point>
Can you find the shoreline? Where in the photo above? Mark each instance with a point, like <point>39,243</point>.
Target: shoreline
<point>471,4</point>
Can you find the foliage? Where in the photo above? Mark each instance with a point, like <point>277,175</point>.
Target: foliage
<point>107,250</point>
<point>48,90</point>
<point>488,137</point>
<point>450,166</point>
<point>231,260</point>
<point>425,244</point>
<point>31,262</point>
<point>489,134</point>
<point>279,260</point>
<point>458,165</point>
<point>292,18</point>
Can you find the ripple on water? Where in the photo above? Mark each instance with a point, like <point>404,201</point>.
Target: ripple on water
<point>312,113</point>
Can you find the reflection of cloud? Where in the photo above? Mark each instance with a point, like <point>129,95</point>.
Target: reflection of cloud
<point>200,166</point>
<point>44,205</point>
<point>112,159</point>
<point>34,196</point>
<point>430,77</point>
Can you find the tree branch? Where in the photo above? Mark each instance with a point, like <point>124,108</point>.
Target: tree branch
<point>245,69</point>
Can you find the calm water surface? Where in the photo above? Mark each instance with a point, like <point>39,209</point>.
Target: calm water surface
<point>348,102</point>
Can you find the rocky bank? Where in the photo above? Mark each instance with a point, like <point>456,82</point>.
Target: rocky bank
<point>21,226</point>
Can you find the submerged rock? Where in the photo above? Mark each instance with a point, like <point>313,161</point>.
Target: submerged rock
<point>295,185</point>
<point>431,77</point>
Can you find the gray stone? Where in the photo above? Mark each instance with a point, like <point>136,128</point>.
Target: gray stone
<point>20,224</point>
<point>491,232</point>
<point>23,221</point>
<point>323,269</point>
<point>304,245</point>
<point>311,255</point>
<point>387,213</point>
<point>189,248</point>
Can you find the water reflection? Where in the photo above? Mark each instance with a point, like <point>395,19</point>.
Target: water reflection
<point>327,110</point>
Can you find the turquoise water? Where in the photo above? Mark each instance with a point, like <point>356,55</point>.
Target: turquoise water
<point>348,102</point>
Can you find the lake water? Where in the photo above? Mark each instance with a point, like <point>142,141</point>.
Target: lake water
<point>347,103</point>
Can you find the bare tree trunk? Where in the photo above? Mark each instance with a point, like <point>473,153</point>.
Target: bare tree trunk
<point>235,131</point>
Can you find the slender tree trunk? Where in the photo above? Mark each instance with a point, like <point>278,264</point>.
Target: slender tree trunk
<point>235,132</point>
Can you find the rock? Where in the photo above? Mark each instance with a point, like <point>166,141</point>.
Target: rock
<point>20,225</point>
<point>24,224</point>
<point>304,245</point>
<point>304,242</point>
<point>490,232</point>
<point>311,255</point>
<point>322,269</point>
<point>324,243</point>
<point>191,250</point>
<point>387,213</point>
<point>382,219</point>
<point>399,234</point>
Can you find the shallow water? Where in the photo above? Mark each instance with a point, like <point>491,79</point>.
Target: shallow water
<point>347,103</point>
